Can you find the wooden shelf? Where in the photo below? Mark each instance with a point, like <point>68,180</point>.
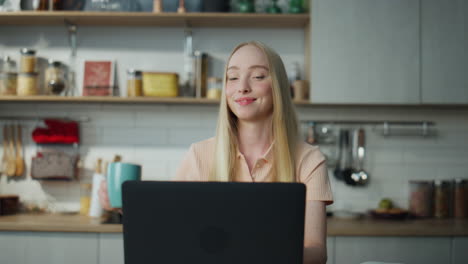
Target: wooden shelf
<point>105,99</point>
<point>33,18</point>
<point>200,101</point>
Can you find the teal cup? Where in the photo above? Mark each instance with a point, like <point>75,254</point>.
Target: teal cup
<point>118,173</point>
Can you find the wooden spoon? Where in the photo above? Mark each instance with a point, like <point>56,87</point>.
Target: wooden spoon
<point>11,162</point>
<point>3,166</point>
<point>19,151</point>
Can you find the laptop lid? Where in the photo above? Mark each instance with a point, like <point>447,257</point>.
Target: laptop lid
<point>213,222</point>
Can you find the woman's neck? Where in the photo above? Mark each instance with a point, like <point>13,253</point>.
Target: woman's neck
<point>255,137</point>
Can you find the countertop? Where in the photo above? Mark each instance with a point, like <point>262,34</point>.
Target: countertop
<point>336,227</point>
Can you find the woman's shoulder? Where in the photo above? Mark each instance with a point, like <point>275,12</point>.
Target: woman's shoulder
<point>204,146</point>
<point>307,152</point>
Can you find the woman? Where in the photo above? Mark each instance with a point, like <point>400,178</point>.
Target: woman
<point>257,140</point>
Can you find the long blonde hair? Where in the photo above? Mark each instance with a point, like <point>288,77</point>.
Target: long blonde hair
<point>284,125</point>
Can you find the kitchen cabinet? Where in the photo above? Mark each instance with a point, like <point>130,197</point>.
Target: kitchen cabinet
<point>444,52</point>
<point>111,248</point>
<point>365,51</point>
<point>46,247</point>
<point>428,250</point>
<point>459,252</point>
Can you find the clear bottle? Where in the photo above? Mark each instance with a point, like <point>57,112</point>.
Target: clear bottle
<point>8,65</point>
<point>55,78</point>
<point>134,83</point>
<point>28,60</point>
<point>421,197</point>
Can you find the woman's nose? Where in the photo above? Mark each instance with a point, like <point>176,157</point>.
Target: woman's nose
<point>244,87</point>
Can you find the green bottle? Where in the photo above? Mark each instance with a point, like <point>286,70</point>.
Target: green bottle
<point>274,8</point>
<point>296,7</point>
<point>246,6</point>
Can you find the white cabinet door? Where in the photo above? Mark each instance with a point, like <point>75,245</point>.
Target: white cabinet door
<point>365,51</point>
<point>331,250</point>
<point>408,250</point>
<point>12,248</point>
<point>459,250</point>
<point>444,51</point>
<point>111,249</point>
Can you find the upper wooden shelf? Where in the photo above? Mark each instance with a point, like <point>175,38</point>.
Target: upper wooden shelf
<point>112,99</point>
<point>32,18</point>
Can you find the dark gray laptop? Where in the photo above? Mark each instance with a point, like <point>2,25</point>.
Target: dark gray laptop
<point>213,222</point>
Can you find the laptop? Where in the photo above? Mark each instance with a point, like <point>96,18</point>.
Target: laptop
<point>213,222</point>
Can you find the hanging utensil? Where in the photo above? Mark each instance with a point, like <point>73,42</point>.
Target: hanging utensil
<point>360,176</point>
<point>3,165</point>
<point>19,150</point>
<point>11,163</point>
<point>347,160</point>
<point>343,169</point>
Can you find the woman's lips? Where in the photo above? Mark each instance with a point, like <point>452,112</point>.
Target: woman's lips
<point>245,101</point>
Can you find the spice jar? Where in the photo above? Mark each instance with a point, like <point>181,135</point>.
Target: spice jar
<point>28,60</point>
<point>421,197</point>
<point>27,84</point>
<point>442,198</point>
<point>8,83</point>
<point>460,201</point>
<point>215,88</point>
<point>134,83</point>
<point>54,78</point>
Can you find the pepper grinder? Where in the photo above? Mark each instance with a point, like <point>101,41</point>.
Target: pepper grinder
<point>157,6</point>
<point>181,8</point>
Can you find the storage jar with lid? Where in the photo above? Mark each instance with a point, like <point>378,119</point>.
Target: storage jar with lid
<point>134,83</point>
<point>55,78</point>
<point>460,199</point>
<point>442,198</point>
<point>421,197</point>
<point>28,60</point>
<point>8,82</point>
<point>215,88</point>
<point>27,84</point>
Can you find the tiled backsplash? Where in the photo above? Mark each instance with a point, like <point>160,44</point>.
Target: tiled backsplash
<point>157,136</point>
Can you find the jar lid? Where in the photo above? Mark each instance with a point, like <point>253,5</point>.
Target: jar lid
<point>422,181</point>
<point>54,63</point>
<point>134,71</point>
<point>27,51</point>
<point>28,74</point>
<point>442,182</point>
<point>9,74</point>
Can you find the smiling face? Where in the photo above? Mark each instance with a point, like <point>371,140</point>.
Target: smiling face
<point>248,85</point>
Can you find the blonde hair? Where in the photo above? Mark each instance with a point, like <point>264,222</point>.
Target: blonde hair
<point>284,125</point>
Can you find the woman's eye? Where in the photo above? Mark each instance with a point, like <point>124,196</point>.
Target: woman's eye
<point>260,77</point>
<point>232,78</point>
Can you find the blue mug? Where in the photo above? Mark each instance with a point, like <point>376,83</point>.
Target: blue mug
<point>118,173</point>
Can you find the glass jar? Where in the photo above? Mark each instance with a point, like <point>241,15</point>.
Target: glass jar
<point>215,88</point>
<point>85,198</point>
<point>8,82</point>
<point>28,60</point>
<point>54,78</point>
<point>8,65</point>
<point>134,83</point>
<point>442,198</point>
<point>421,197</point>
<point>460,199</point>
<point>27,84</point>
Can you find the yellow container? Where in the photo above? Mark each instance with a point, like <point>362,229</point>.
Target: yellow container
<point>160,84</point>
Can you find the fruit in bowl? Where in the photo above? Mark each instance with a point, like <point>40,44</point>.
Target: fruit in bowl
<point>386,210</point>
